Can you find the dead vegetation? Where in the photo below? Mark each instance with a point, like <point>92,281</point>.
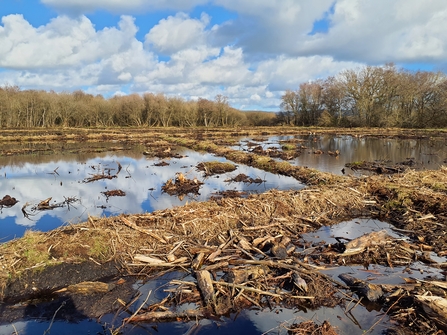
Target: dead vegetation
<point>243,178</point>
<point>106,173</point>
<point>7,201</point>
<point>181,186</point>
<point>312,328</point>
<point>29,209</point>
<point>114,193</point>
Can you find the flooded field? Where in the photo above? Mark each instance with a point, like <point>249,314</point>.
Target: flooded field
<point>331,153</point>
<point>186,239</point>
<point>61,176</point>
<point>62,172</point>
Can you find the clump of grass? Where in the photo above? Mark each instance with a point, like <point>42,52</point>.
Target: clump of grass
<point>206,146</point>
<point>216,167</point>
<point>100,248</point>
<point>264,163</point>
<point>288,146</point>
<point>29,251</point>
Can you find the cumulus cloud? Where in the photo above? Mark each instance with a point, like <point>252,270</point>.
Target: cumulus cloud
<point>177,33</point>
<point>62,42</point>
<point>271,26</point>
<point>69,53</point>
<point>377,31</point>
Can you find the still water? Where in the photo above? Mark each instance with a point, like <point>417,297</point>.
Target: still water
<point>64,176</point>
<point>363,318</point>
<point>60,171</point>
<point>425,152</point>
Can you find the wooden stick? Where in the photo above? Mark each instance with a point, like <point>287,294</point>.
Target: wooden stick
<point>166,315</point>
<point>139,308</point>
<point>287,266</point>
<point>132,225</point>
<point>166,265</point>
<point>247,288</point>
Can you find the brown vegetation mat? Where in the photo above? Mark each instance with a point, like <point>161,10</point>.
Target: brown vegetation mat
<point>311,328</point>
<point>243,178</point>
<point>381,167</point>
<point>266,163</point>
<point>8,201</point>
<point>276,153</point>
<point>181,186</point>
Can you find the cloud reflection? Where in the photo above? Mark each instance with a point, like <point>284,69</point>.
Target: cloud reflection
<point>139,179</point>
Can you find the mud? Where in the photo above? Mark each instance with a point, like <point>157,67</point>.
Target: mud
<point>35,282</point>
<point>42,293</point>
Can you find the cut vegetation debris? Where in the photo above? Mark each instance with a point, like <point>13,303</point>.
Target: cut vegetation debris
<point>181,186</point>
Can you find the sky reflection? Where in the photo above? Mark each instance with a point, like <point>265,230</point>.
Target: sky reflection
<point>427,153</point>
<point>139,179</point>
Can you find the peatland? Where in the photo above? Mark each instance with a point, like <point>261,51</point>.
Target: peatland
<point>240,252</point>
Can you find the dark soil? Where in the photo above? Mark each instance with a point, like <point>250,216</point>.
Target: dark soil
<point>37,291</point>
<point>35,282</point>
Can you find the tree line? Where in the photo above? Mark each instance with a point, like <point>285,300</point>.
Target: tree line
<point>372,96</point>
<point>33,108</point>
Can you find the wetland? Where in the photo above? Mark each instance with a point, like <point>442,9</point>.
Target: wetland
<point>276,230</point>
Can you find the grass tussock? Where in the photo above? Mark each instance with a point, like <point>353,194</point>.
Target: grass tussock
<point>216,167</point>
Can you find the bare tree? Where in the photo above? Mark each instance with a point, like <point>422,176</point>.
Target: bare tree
<point>290,107</point>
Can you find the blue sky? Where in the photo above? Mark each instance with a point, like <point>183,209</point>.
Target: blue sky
<point>250,51</point>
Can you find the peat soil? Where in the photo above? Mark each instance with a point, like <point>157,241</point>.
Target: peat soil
<point>54,292</point>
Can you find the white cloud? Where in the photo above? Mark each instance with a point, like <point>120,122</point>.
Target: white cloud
<point>284,73</point>
<point>265,49</point>
<point>177,32</point>
<point>271,26</point>
<point>62,42</point>
<point>69,53</point>
<point>377,32</point>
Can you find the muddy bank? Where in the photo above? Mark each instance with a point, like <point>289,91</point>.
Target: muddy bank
<point>33,283</point>
<point>66,291</point>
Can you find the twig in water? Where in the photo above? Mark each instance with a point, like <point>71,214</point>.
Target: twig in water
<point>141,306</point>
<point>52,320</point>
<point>386,313</point>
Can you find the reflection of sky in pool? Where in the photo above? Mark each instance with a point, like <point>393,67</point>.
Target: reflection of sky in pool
<point>139,178</point>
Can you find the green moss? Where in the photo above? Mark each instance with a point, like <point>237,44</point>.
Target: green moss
<point>438,187</point>
<point>100,248</point>
<point>264,163</point>
<point>33,251</point>
<point>288,146</point>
